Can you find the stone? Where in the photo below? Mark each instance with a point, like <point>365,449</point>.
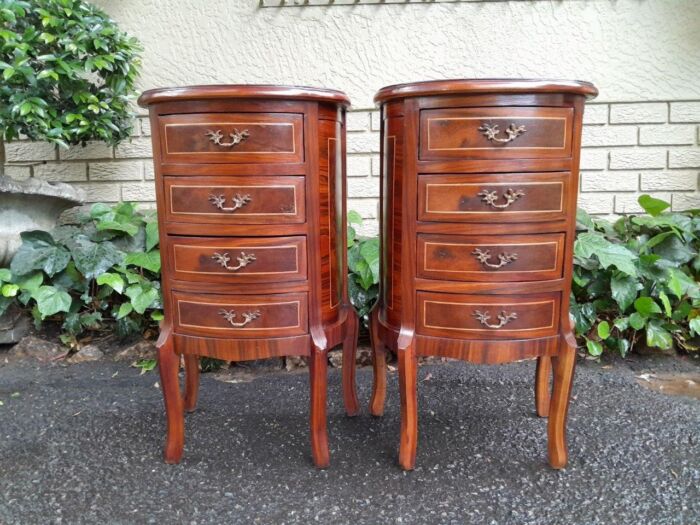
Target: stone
<point>87,353</point>
<point>294,362</point>
<point>14,325</point>
<point>335,358</point>
<point>142,349</point>
<point>32,347</point>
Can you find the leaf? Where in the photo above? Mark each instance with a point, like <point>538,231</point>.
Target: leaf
<point>583,220</point>
<point>369,250</point>
<point>651,205</point>
<point>658,336</point>
<point>124,310</point>
<point>5,275</point>
<point>637,321</point>
<point>646,306</point>
<point>146,365</point>
<point>9,290</point>
<point>623,346</point>
<point>666,303</point>
<point>113,280</point>
<point>624,290</point>
<point>94,258</point>
<point>622,323</point>
<point>594,347</point>
<point>148,260</point>
<point>603,329</point>
<point>592,243</point>
<point>354,218</point>
<point>151,235</point>
<point>31,283</point>
<point>157,315</point>
<point>694,325</point>
<point>142,296</point>
<point>38,251</point>
<point>51,300</point>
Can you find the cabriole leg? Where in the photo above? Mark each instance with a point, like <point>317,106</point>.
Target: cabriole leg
<point>564,365</point>
<point>408,365</point>
<point>318,366</point>
<point>352,405</point>
<point>376,404</point>
<point>169,365</point>
<point>191,381</point>
<point>542,376</point>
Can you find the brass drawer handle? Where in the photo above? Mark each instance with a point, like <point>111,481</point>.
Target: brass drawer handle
<point>483,257</point>
<point>244,259</point>
<point>490,131</point>
<point>503,318</point>
<point>238,201</point>
<point>510,196</point>
<point>236,137</point>
<point>248,317</point>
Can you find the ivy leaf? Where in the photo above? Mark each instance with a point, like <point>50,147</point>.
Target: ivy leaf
<point>694,325</point>
<point>651,205</point>
<point>148,260</point>
<point>113,280</point>
<point>594,347</point>
<point>370,253</point>
<point>142,296</point>
<point>5,275</point>
<point>51,300</point>
<point>658,336</point>
<point>603,329</point>
<point>124,310</point>
<point>354,218</point>
<point>39,251</point>
<point>624,290</point>
<point>94,258</point>
<point>646,306</point>
<point>637,321</point>
<point>666,303</point>
<point>151,235</point>
<point>609,254</point>
<point>9,290</point>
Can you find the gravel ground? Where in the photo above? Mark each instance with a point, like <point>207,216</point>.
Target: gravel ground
<point>82,444</point>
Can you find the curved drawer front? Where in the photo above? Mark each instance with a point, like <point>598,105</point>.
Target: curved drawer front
<point>496,133</point>
<point>493,198</point>
<point>490,258</point>
<point>240,315</point>
<point>238,260</point>
<point>488,316</point>
<point>222,200</point>
<point>232,137</point>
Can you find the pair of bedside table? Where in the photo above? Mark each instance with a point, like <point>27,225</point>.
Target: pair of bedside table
<point>478,203</point>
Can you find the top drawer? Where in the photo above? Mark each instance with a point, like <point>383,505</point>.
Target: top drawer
<point>495,133</point>
<point>232,138</point>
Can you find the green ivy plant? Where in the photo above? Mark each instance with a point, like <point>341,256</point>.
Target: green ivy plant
<point>103,271</point>
<point>637,277</point>
<point>363,268</point>
<point>68,73</point>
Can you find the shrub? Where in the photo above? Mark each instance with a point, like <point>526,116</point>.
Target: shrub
<point>363,268</point>
<point>68,72</point>
<point>103,271</point>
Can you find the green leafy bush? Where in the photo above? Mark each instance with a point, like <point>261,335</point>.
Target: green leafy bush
<point>637,277</point>
<point>363,268</point>
<point>68,72</point>
<point>105,270</point>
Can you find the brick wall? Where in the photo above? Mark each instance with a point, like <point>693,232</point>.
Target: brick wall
<point>628,149</point>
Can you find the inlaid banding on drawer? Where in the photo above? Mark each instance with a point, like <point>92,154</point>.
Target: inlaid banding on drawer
<point>241,315</point>
<point>238,260</point>
<point>488,316</point>
<point>496,133</point>
<point>493,198</point>
<point>491,258</point>
<point>233,137</point>
<point>222,200</point>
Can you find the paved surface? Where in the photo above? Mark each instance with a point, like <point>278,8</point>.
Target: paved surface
<point>81,444</point>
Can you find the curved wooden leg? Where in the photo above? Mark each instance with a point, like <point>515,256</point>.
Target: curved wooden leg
<point>564,365</point>
<point>376,404</point>
<point>318,366</point>
<point>352,405</point>
<point>542,375</point>
<point>408,364</point>
<point>169,365</point>
<point>191,381</point>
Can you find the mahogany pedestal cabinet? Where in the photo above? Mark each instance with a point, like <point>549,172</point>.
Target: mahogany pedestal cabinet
<point>250,185</point>
<point>478,208</point>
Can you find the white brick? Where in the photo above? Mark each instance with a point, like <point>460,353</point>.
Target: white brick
<point>105,171</point>
<point>684,158</point>
<point>594,159</point>
<point>91,150</point>
<point>685,111</point>
<point>135,148</point>
<point>669,134</point>
<point>363,142</point>
<point>644,112</point>
<point>27,150</point>
<point>376,121</point>
<point>18,171</point>
<point>357,121</point>
<point>609,135</point>
<point>595,114</point>
<point>367,208</point>
<point>359,166</point>
<point>610,181</point>
<point>100,192</point>
<point>61,172</point>
<point>685,201</point>
<point>669,180</point>
<point>639,158</point>
<point>358,188</point>
<point>369,228</point>
<point>145,127</point>
<point>149,171</point>
<point>596,202</point>
<point>376,165</point>
<point>138,191</point>
<point>627,203</point>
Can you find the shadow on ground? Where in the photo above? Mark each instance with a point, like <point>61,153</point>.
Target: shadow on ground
<point>82,444</point>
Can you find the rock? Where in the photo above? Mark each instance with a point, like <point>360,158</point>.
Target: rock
<point>31,347</point>
<point>364,356</point>
<point>140,350</point>
<point>14,325</point>
<point>335,358</point>
<point>294,362</point>
<point>261,365</point>
<point>87,353</point>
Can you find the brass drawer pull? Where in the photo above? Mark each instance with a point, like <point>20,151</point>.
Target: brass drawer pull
<point>248,317</point>
<point>510,196</point>
<point>503,318</point>
<point>238,201</point>
<point>244,259</point>
<point>483,257</point>
<point>490,131</point>
<point>236,137</point>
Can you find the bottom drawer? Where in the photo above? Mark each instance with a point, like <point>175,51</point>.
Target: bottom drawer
<point>488,316</point>
<point>244,316</point>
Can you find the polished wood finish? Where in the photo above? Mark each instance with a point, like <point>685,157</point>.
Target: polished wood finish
<point>477,216</point>
<point>250,184</point>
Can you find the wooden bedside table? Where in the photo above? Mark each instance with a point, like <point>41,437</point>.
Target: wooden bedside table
<point>250,183</point>
<point>478,217</point>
